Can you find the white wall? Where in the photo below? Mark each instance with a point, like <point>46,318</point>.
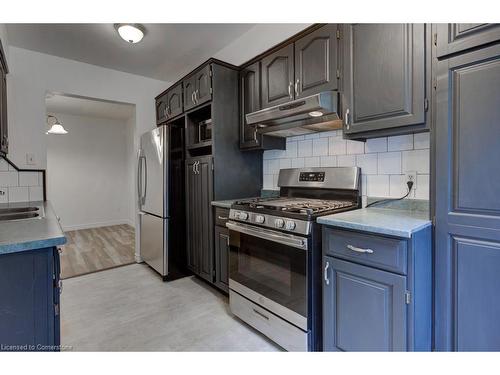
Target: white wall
<point>33,74</point>
<point>383,161</point>
<point>88,172</point>
<point>258,39</point>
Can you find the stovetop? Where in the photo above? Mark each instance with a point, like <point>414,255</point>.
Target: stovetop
<point>306,207</point>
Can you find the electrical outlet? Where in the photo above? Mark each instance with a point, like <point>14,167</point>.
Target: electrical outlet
<point>30,159</point>
<point>411,176</point>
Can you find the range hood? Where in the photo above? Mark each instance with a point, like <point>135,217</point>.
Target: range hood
<point>315,113</point>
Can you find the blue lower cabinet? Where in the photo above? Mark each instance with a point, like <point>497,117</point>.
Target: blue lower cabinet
<point>377,291</point>
<point>365,308</point>
<point>29,301</point>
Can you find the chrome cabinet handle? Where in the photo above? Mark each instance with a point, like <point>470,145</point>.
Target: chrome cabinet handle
<point>346,118</point>
<point>297,87</point>
<point>193,167</point>
<point>60,286</point>
<point>222,217</point>
<point>327,281</point>
<point>192,98</point>
<point>290,90</point>
<point>197,167</point>
<point>359,249</point>
<point>196,95</point>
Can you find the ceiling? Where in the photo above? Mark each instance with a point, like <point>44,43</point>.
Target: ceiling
<point>166,52</point>
<point>88,107</point>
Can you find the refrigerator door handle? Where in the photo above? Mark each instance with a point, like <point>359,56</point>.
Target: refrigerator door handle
<point>139,178</point>
<point>145,179</point>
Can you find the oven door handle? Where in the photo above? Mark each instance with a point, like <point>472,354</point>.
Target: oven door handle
<point>282,238</point>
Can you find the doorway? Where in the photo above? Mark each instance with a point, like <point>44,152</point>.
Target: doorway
<point>90,174</point>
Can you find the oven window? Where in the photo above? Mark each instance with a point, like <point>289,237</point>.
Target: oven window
<point>271,269</point>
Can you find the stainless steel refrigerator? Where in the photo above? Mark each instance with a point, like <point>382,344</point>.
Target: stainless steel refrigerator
<point>153,193</point>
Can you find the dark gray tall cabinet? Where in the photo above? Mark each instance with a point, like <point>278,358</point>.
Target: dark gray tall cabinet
<point>199,185</point>
<point>385,79</point>
<point>467,178</point>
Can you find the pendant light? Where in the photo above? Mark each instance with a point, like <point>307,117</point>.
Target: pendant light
<point>56,128</point>
<point>130,32</point>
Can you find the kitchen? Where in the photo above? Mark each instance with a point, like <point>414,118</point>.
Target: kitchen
<point>324,190</point>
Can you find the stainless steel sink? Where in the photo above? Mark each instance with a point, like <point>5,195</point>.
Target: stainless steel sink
<point>21,213</point>
<point>19,216</point>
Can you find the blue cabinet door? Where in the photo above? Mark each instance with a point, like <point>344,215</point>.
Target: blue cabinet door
<point>467,173</point>
<point>364,308</point>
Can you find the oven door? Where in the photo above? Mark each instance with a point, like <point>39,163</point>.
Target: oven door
<point>269,268</point>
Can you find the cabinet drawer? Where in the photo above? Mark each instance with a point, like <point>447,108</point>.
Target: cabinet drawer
<point>372,250</point>
<point>221,216</point>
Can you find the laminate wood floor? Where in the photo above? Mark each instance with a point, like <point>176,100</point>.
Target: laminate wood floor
<point>130,309</point>
<point>96,249</point>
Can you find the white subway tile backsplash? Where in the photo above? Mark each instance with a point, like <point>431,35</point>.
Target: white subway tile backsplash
<point>346,160</point>
<point>376,145</point>
<point>9,178</point>
<point>4,195</point>
<point>400,142</point>
<point>305,148</point>
<point>383,161</point>
<point>397,186</point>
<point>423,186</point>
<point>311,162</point>
<point>320,147</point>
<point>337,146</point>
<point>328,161</point>
<point>367,163</point>
<point>332,133</point>
<point>421,141</point>
<point>291,149</point>
<point>355,147</point>
<point>18,194</point>
<point>4,166</point>
<point>28,179</point>
<point>285,163</point>
<point>274,166</point>
<point>416,160</point>
<point>35,193</point>
<point>298,163</point>
<point>377,185</point>
<point>268,181</point>
<point>389,163</point>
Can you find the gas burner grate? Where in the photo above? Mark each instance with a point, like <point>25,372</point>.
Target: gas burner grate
<point>315,207</point>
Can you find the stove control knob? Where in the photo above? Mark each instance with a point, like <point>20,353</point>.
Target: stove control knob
<point>259,219</point>
<point>243,216</point>
<point>290,225</point>
<point>278,223</point>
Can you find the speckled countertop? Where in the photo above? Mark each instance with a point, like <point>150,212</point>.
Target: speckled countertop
<point>390,221</point>
<point>30,234</point>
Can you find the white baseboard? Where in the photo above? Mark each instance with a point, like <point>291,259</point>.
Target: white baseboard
<point>67,228</point>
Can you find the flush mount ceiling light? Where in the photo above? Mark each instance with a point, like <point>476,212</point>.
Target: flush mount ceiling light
<point>56,128</point>
<point>130,32</point>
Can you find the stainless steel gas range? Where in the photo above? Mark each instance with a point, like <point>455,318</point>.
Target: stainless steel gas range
<point>275,253</point>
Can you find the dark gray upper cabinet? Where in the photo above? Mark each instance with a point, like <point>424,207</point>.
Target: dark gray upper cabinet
<point>467,206</point>
<point>174,101</point>
<point>203,85</point>
<point>278,77</point>
<point>189,90</point>
<point>250,102</point>
<point>161,109</point>
<point>384,82</point>
<point>316,62</point>
<point>458,37</point>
